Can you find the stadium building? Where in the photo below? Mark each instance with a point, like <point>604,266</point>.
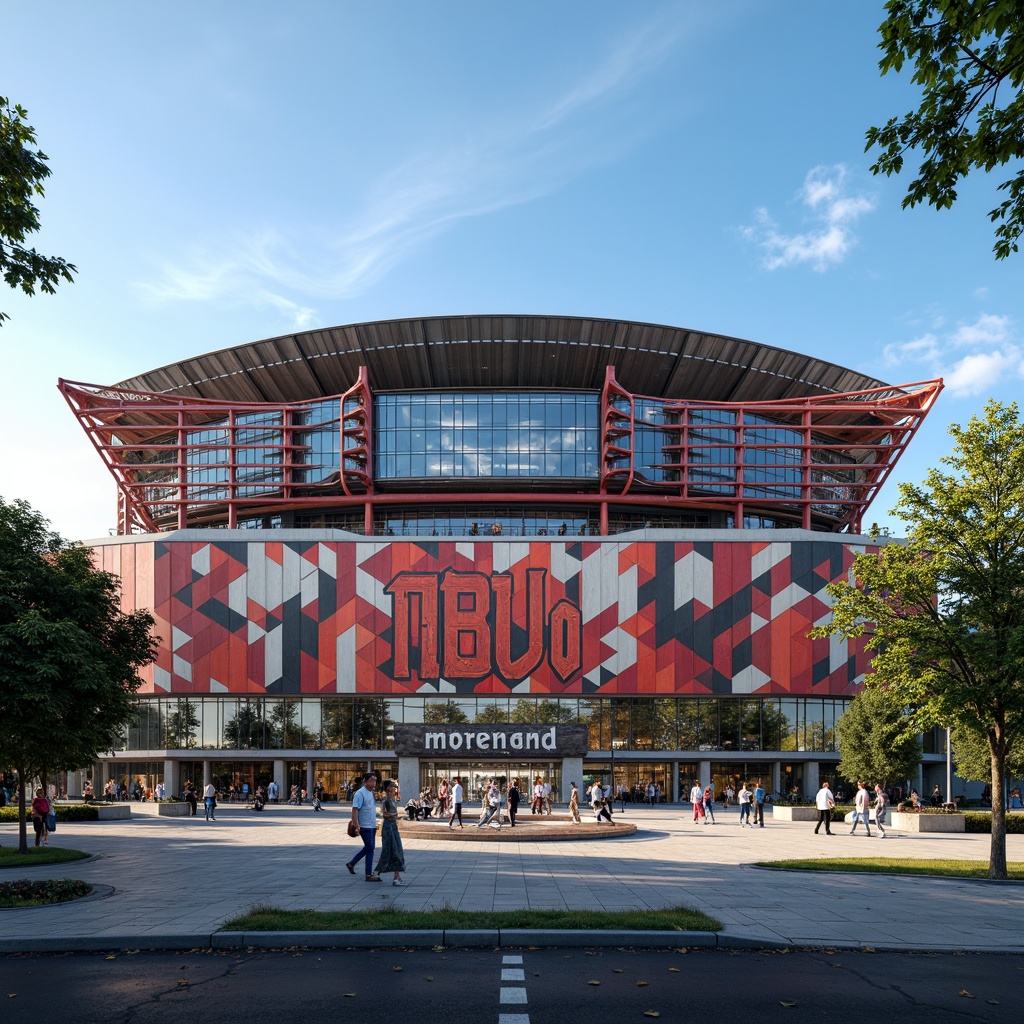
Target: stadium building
<point>492,545</point>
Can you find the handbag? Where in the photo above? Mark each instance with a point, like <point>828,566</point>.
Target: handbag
<point>51,822</point>
<point>353,828</point>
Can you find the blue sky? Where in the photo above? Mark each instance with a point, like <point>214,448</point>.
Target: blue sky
<point>233,171</point>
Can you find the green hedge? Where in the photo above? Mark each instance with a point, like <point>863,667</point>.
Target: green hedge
<point>981,821</point>
<point>65,812</point>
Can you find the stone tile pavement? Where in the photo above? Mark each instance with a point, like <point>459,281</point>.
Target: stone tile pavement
<point>177,880</point>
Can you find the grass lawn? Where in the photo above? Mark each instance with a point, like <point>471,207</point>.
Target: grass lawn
<point>273,919</point>
<point>896,866</point>
<point>37,856</point>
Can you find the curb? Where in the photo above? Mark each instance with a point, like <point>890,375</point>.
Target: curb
<point>513,938</point>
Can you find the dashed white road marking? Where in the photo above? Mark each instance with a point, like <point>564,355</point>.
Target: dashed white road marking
<point>509,959</point>
<point>513,1018</point>
<point>513,995</point>
<point>513,974</point>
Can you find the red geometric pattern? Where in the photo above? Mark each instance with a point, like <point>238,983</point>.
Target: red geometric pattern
<point>490,617</point>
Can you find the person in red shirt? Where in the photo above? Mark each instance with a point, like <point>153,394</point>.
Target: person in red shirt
<point>40,809</point>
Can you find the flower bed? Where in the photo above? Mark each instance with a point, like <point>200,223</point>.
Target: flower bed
<point>25,893</point>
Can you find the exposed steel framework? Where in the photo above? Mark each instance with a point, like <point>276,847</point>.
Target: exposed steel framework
<point>835,452</point>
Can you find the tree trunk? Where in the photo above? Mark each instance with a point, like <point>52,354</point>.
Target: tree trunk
<point>997,851</point>
<point>22,832</point>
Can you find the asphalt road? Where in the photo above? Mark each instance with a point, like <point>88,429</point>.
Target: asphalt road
<point>509,987</point>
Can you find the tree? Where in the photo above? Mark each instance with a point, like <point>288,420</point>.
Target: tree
<point>876,741</point>
<point>182,724</point>
<point>69,657</point>
<point>968,57</point>
<point>23,169</point>
<point>944,612</point>
<point>246,730</point>
<point>972,758</point>
<point>448,712</point>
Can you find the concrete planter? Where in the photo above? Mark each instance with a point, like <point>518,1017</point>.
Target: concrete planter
<point>172,809</point>
<point>794,813</point>
<point>113,812</point>
<point>910,822</point>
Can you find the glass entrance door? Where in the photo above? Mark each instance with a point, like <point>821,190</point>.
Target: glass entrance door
<point>475,776</point>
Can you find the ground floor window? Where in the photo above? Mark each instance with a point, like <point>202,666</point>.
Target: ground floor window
<point>474,777</point>
<point>238,780</point>
<point>133,780</point>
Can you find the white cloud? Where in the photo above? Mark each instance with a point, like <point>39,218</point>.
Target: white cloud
<point>498,163</point>
<point>831,210</point>
<point>997,356</point>
<point>980,372</point>
<point>924,348</point>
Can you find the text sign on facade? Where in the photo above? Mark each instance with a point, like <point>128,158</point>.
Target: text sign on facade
<point>491,741</point>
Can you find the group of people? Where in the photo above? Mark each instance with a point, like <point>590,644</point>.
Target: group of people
<point>750,798</point>
<point>824,801</point>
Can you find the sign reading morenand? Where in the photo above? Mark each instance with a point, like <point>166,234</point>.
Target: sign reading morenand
<point>500,741</point>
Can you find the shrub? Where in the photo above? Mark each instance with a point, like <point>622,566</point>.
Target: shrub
<point>26,893</point>
<point>981,821</point>
<point>65,812</point>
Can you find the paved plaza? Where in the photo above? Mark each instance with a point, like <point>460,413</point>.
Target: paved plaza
<point>180,879</point>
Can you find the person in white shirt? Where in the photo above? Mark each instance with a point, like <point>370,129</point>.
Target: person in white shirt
<point>745,799</point>
<point>364,814</point>
<point>861,803</point>
<point>456,803</point>
<point>697,799</point>
<point>546,802</point>
<point>824,801</point>
<point>210,800</point>
<point>159,791</point>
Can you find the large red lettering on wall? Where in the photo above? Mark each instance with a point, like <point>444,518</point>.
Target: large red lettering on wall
<point>471,626</point>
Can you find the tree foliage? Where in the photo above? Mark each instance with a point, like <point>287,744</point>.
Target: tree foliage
<point>23,169</point>
<point>69,657</point>
<point>877,743</point>
<point>968,58</point>
<point>944,612</point>
<point>973,760</point>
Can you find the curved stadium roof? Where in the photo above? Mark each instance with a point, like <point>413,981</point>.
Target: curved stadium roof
<point>462,352</point>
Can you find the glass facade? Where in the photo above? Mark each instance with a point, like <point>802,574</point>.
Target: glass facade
<point>486,434</point>
<point>787,724</point>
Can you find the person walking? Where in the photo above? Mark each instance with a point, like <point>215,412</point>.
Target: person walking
<point>709,804</point>
<point>456,802</point>
<point>745,799</point>
<point>513,796</point>
<point>191,798</point>
<point>537,806</point>
<point>861,802</point>
<point>598,802</point>
<point>210,801</point>
<point>697,799</point>
<point>364,815</point>
<point>492,804</point>
<point>759,797</point>
<point>392,856</point>
<point>574,805</point>
<point>40,809</point>
<point>824,801</point>
<point>881,806</point>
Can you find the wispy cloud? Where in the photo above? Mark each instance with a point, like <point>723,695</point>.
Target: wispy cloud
<point>505,162</point>
<point>829,208</point>
<point>971,357</point>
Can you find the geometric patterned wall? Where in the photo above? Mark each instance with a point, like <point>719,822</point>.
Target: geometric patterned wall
<point>489,617</point>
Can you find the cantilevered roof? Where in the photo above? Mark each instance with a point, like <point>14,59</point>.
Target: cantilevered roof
<point>464,352</point>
